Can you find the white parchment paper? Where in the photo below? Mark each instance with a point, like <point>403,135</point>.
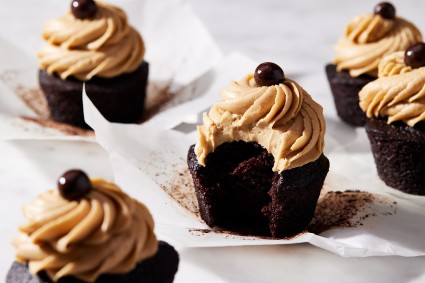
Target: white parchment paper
<point>179,49</point>
<point>149,161</point>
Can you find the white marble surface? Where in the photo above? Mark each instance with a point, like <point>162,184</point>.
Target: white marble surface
<point>296,34</point>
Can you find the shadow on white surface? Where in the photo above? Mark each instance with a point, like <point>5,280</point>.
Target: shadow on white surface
<point>301,263</point>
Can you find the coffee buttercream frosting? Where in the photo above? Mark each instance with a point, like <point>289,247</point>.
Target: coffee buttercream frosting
<point>104,232</point>
<point>282,118</point>
<point>103,46</point>
<point>368,38</point>
<point>398,93</point>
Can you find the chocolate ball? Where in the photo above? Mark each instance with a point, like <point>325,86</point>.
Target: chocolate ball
<point>415,55</point>
<point>83,9</point>
<point>267,74</point>
<point>74,184</point>
<point>385,10</point>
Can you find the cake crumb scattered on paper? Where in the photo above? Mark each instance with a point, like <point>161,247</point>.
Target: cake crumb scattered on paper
<point>64,128</point>
<point>30,94</point>
<point>182,190</point>
<point>345,209</point>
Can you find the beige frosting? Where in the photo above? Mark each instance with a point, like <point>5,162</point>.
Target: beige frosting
<point>105,232</point>
<point>104,46</point>
<point>398,93</point>
<point>368,38</point>
<point>393,64</point>
<point>282,118</point>
<point>368,28</point>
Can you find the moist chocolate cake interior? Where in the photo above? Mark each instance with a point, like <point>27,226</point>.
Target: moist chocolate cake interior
<point>237,190</point>
<point>245,178</point>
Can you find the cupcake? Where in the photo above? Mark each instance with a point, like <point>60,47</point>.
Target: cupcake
<point>395,108</point>
<point>367,39</point>
<point>93,44</point>
<point>89,231</point>
<point>258,166</point>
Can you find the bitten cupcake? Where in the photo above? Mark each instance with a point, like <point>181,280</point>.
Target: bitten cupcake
<point>395,107</point>
<point>89,231</point>
<point>367,39</point>
<point>93,44</point>
<point>258,166</point>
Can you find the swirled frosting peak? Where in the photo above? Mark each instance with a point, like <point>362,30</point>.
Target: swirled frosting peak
<point>398,93</point>
<point>368,28</point>
<point>104,46</point>
<point>283,118</point>
<point>104,232</point>
<point>370,37</point>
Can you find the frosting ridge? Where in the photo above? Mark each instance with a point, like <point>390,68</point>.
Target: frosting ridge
<point>398,93</point>
<point>282,118</point>
<point>115,230</point>
<point>393,64</point>
<point>368,38</point>
<point>104,46</point>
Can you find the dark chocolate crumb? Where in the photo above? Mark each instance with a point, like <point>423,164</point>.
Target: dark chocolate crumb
<point>336,209</point>
<point>32,97</point>
<point>181,189</point>
<point>62,127</point>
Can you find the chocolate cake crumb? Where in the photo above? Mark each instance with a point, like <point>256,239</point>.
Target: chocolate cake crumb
<point>157,96</point>
<point>31,96</point>
<point>34,99</point>
<point>181,189</point>
<point>202,232</point>
<point>64,128</point>
<point>336,209</point>
<point>160,97</point>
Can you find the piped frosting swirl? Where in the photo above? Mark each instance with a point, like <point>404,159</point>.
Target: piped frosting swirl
<point>104,46</point>
<point>368,38</point>
<point>282,118</point>
<point>393,64</point>
<point>104,232</point>
<point>398,93</point>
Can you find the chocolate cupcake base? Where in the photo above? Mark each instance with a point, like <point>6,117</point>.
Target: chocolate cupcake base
<point>238,191</point>
<point>120,99</point>
<point>345,91</point>
<point>160,268</point>
<point>399,152</point>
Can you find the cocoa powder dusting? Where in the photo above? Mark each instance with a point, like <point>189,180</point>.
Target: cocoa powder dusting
<point>158,98</point>
<point>230,234</point>
<point>336,209</point>
<point>182,190</point>
<point>31,96</point>
<point>34,99</point>
<point>64,128</point>
<point>157,95</point>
